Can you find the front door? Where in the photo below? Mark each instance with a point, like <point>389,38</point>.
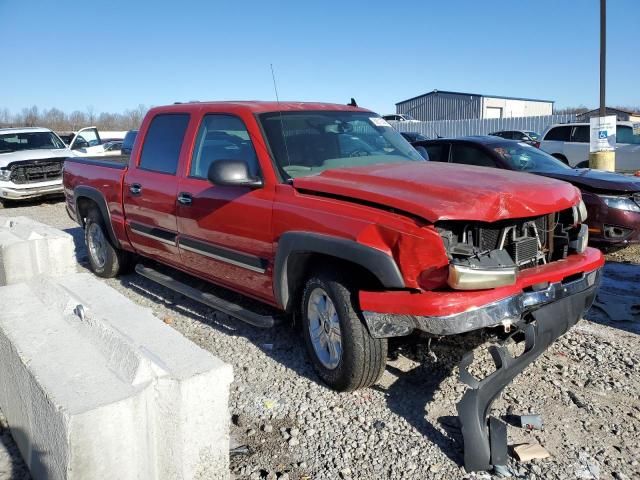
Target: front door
<point>151,187</point>
<point>225,231</point>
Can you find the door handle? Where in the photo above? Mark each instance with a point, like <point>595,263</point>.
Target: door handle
<point>135,189</point>
<point>185,198</point>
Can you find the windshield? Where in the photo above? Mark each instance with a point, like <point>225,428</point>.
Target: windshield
<point>14,142</point>
<point>533,135</point>
<point>526,158</point>
<point>308,143</point>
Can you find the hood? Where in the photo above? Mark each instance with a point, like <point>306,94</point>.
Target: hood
<point>22,155</point>
<point>597,180</point>
<point>439,191</point>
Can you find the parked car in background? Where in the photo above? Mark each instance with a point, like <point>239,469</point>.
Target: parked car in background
<point>413,136</point>
<point>113,147</point>
<point>527,136</point>
<point>31,159</point>
<point>569,143</point>
<point>127,143</point>
<point>612,199</point>
<point>400,117</point>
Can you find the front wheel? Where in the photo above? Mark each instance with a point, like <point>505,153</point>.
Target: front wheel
<point>341,349</point>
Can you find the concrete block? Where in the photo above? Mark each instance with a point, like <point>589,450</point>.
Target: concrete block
<point>95,387</point>
<point>29,248</point>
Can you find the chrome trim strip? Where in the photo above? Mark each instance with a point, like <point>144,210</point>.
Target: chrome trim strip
<point>222,259</point>
<point>153,237</point>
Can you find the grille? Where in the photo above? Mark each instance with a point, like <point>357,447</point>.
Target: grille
<point>35,171</point>
<point>523,250</point>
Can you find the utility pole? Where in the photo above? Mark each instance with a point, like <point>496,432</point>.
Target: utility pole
<point>603,158</point>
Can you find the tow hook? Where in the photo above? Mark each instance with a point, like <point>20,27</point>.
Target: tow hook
<point>485,438</point>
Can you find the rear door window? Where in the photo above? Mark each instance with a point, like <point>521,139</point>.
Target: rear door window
<point>562,134</point>
<point>580,134</point>
<point>163,141</point>
<point>438,152</point>
<point>470,155</point>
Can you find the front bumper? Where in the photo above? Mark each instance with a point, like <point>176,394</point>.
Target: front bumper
<point>12,191</point>
<point>507,312</point>
<point>485,439</point>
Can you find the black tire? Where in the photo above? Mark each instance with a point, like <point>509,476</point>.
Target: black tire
<point>106,260</point>
<point>363,358</point>
<point>562,158</point>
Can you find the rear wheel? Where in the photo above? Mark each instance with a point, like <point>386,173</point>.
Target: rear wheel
<point>105,259</point>
<point>341,349</point>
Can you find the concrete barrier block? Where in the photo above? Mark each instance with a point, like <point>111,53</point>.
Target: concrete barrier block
<point>94,386</point>
<point>29,248</point>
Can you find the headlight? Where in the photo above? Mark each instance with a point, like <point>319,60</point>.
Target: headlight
<point>467,278</point>
<point>5,174</point>
<point>580,212</point>
<point>620,203</point>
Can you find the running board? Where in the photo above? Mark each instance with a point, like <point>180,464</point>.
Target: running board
<point>232,309</point>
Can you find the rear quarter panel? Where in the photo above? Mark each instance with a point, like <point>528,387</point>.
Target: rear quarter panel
<point>104,175</point>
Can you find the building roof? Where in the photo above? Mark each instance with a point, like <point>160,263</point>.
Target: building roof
<point>475,95</point>
<point>609,109</point>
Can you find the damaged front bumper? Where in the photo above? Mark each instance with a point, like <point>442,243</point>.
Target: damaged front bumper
<point>485,439</point>
<point>506,312</point>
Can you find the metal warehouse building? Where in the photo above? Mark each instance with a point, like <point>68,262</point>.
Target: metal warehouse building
<point>441,105</point>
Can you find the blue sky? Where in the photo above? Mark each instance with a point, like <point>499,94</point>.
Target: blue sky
<point>115,55</point>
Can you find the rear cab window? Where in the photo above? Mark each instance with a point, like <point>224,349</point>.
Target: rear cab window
<point>163,142</point>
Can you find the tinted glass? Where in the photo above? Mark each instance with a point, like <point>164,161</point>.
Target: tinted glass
<point>13,142</point>
<point>524,157</point>
<point>129,139</point>
<point>470,155</point>
<point>580,134</point>
<point>624,134</point>
<point>533,135</point>
<point>162,144</point>
<point>559,133</point>
<point>222,137</point>
<point>437,152</point>
<point>308,143</point>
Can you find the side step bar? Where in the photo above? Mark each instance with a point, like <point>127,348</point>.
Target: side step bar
<point>232,309</point>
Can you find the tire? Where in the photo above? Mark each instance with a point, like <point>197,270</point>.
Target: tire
<point>562,158</point>
<point>360,360</point>
<point>105,259</point>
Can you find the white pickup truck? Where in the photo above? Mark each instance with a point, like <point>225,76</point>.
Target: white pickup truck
<point>569,143</point>
<point>31,160</point>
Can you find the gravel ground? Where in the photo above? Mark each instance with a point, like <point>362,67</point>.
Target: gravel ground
<point>586,386</point>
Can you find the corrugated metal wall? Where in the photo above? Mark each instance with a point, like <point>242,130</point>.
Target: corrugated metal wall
<point>441,106</point>
<point>477,126</point>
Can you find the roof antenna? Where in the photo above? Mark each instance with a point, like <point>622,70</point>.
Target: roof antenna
<point>352,103</point>
<point>284,137</point>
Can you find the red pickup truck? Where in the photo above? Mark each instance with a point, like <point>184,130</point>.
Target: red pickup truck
<point>325,212</point>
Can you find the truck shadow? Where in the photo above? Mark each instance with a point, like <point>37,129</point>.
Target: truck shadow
<point>617,304</point>
<point>413,395</point>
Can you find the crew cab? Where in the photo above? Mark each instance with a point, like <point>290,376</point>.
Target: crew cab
<point>31,160</point>
<point>325,212</point>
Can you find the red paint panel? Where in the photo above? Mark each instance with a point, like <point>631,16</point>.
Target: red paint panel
<point>439,191</point>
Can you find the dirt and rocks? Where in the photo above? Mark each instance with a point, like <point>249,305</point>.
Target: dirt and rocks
<point>586,387</point>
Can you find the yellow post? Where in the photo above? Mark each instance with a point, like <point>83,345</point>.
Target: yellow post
<point>603,161</point>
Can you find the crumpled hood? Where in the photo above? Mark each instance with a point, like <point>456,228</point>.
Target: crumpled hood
<point>7,158</point>
<point>439,191</point>
<point>597,180</point>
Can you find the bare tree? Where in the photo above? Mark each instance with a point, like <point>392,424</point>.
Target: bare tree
<point>54,119</point>
<point>91,116</point>
<point>5,117</point>
<point>30,116</point>
<point>76,120</point>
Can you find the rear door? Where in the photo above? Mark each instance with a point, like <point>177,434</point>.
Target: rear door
<point>225,232</point>
<point>577,149</point>
<point>151,186</point>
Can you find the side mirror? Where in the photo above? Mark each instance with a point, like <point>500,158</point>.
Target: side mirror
<point>231,173</point>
